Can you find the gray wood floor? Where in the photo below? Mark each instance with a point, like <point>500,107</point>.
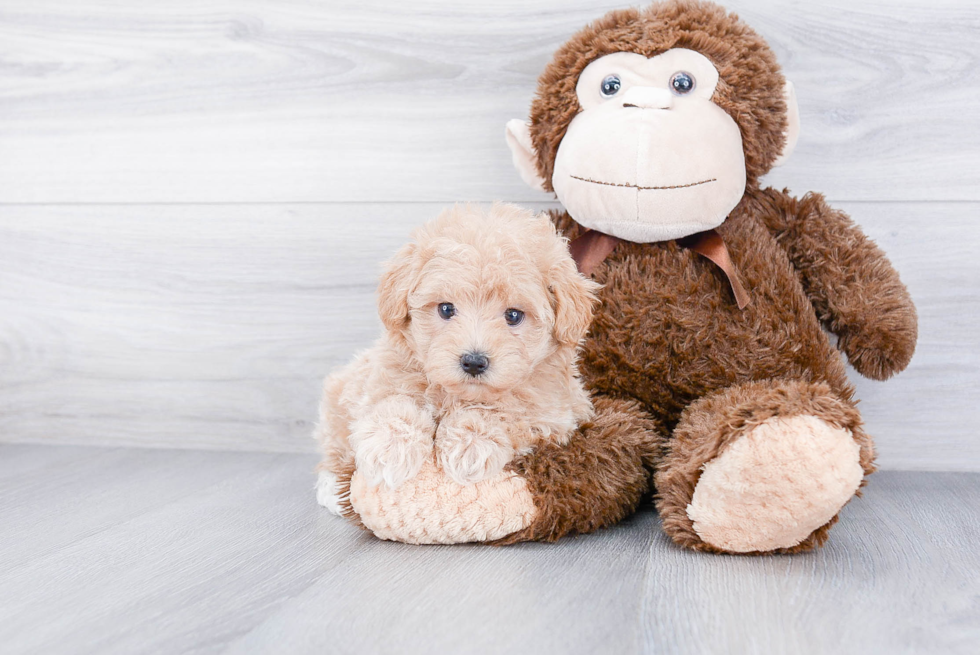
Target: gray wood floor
<point>118,550</point>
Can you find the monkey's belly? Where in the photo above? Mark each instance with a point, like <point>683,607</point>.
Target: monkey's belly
<point>669,331</point>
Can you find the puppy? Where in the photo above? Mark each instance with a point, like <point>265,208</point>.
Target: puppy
<point>483,314</point>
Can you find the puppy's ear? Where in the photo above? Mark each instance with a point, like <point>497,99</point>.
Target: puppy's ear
<point>397,279</point>
<point>574,297</point>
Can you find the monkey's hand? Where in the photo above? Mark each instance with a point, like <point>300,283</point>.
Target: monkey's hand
<point>855,291</point>
<point>592,481</point>
<point>473,444</point>
<point>392,441</point>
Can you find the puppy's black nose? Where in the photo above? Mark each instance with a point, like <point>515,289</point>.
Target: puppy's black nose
<point>474,363</point>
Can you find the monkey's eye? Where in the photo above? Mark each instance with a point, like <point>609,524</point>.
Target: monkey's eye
<point>610,86</point>
<point>447,310</point>
<point>514,316</point>
<point>681,83</point>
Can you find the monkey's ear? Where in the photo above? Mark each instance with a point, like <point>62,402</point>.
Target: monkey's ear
<point>792,123</point>
<point>522,150</point>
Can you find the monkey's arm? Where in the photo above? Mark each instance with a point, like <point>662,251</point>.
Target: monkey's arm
<point>855,290</point>
<point>595,480</point>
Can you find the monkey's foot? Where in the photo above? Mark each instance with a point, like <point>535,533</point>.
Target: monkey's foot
<point>774,486</point>
<point>762,467</point>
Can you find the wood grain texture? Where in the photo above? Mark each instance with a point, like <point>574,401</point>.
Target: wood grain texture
<point>137,551</point>
<point>211,326</point>
<point>192,101</point>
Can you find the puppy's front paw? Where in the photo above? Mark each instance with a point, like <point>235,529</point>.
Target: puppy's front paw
<point>471,446</point>
<point>328,492</point>
<point>392,442</point>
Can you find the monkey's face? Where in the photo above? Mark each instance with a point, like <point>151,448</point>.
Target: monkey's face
<point>650,157</point>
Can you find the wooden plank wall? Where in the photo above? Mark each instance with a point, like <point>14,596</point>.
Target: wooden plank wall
<point>195,195</point>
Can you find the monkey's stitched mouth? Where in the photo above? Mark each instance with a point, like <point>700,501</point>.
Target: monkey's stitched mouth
<point>643,188</point>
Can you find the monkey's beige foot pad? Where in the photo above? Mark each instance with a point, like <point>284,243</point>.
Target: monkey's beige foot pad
<point>433,509</point>
<point>775,485</point>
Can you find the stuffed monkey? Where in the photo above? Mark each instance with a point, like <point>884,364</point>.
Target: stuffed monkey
<point>715,387</point>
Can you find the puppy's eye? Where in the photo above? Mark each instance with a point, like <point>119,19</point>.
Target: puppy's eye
<point>682,83</point>
<point>514,316</point>
<point>447,310</point>
<point>610,86</point>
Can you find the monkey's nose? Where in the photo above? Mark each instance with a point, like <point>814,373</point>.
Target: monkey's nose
<point>648,97</point>
<point>474,363</point>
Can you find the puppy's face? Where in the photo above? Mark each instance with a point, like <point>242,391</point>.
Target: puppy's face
<point>487,299</point>
<point>478,322</point>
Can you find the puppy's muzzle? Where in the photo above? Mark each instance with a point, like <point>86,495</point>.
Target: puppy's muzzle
<point>474,363</point>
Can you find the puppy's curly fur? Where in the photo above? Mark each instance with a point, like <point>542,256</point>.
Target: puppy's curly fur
<point>409,399</point>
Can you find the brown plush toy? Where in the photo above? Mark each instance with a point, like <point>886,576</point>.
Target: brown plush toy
<point>715,387</point>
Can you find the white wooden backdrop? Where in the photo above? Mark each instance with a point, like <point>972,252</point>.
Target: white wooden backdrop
<point>195,195</point>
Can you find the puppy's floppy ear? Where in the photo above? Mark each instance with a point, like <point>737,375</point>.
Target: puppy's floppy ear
<point>397,280</point>
<point>573,296</point>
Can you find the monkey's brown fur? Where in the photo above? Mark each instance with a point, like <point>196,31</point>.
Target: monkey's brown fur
<point>678,371</point>
<point>597,479</point>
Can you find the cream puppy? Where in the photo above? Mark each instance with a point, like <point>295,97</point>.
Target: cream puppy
<point>483,314</point>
